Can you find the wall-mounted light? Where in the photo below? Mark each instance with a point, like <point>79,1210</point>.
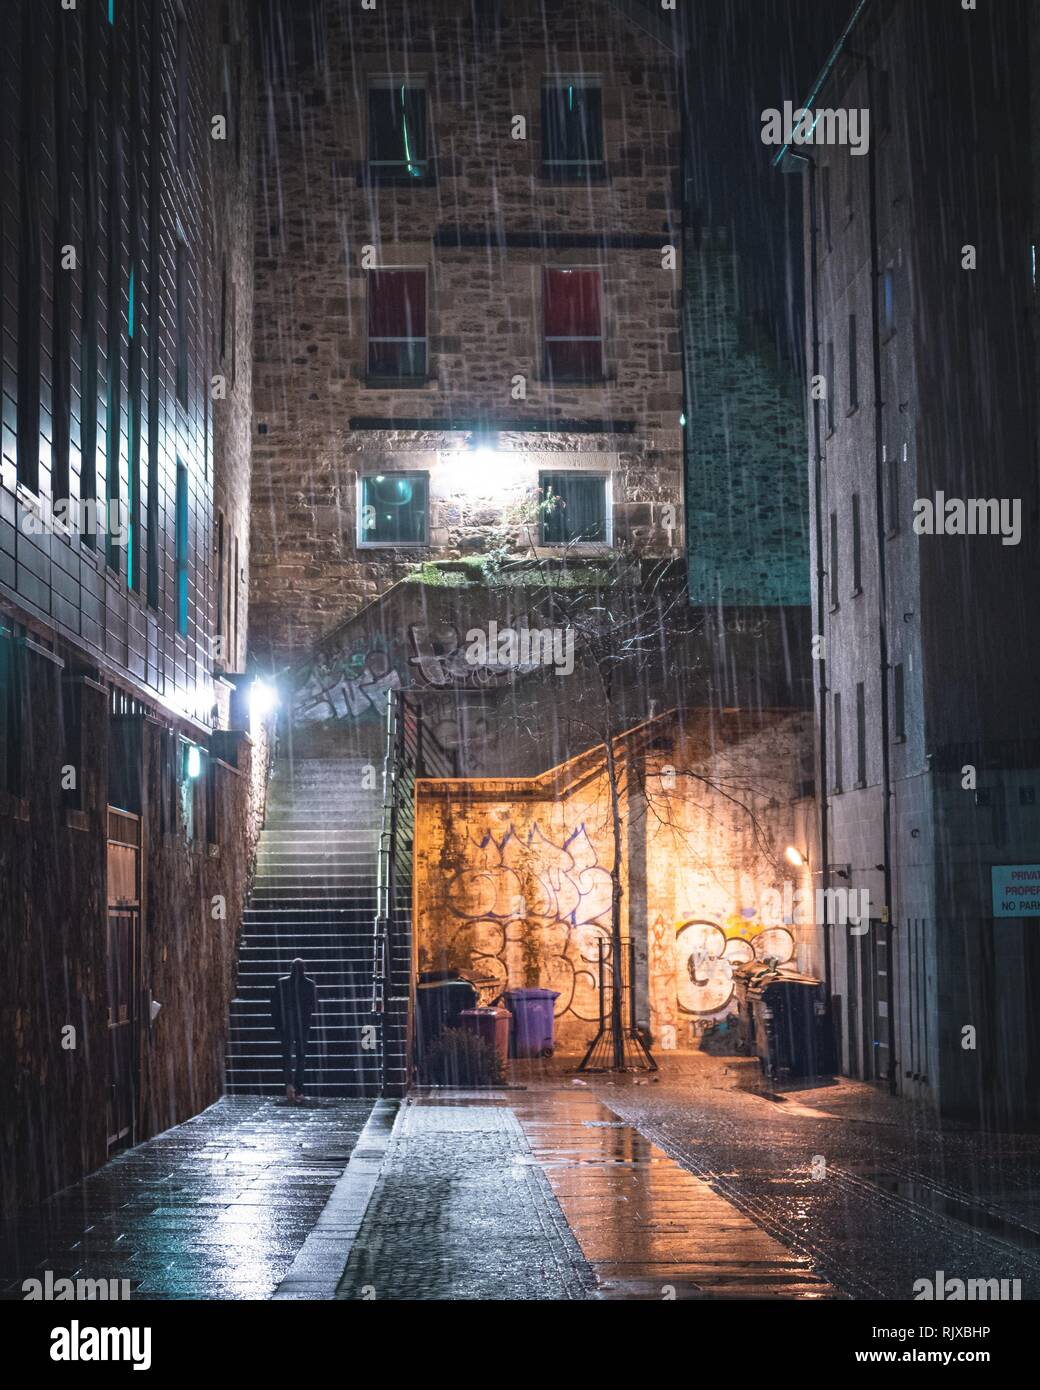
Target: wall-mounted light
<point>263,698</point>
<point>484,447</point>
<point>794,856</point>
<point>194,760</point>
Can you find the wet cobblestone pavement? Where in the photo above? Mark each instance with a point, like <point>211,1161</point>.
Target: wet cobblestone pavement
<point>463,1211</point>
<point>898,1201</point>
<point>215,1208</point>
<point>698,1184</point>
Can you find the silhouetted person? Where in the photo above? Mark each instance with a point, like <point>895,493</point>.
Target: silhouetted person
<point>293,1001</point>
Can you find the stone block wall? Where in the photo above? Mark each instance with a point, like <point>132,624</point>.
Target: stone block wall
<point>484,230</point>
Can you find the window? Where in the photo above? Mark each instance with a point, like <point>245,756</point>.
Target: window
<point>576,510</point>
<point>861,735</point>
<point>836,706</point>
<point>182,549</point>
<point>397,324</point>
<point>398,133</point>
<point>832,388</point>
<point>857,568</point>
<point>853,367</point>
<point>306,32</point>
<point>393,509</point>
<point>835,598</point>
<point>182,322</point>
<point>899,701</point>
<point>573,321</point>
<point>572,131</point>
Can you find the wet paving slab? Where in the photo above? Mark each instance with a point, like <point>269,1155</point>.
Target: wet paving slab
<point>877,1194</point>
<point>216,1208</point>
<point>648,1227</point>
<point>545,1194</point>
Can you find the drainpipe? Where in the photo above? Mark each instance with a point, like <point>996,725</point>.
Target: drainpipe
<point>879,510</point>
<point>821,573</point>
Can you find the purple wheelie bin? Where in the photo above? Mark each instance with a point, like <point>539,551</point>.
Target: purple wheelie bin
<point>534,1021</point>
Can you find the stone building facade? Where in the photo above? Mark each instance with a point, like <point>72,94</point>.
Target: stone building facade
<point>467,292</point>
<point>127,799</point>
<point>920,274</point>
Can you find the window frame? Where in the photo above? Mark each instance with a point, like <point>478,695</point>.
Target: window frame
<point>604,477</point>
<point>379,380</point>
<point>583,172</point>
<point>547,375</point>
<point>394,172</point>
<point>392,544</point>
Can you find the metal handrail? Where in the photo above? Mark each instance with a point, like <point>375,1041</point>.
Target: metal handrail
<point>381,925</point>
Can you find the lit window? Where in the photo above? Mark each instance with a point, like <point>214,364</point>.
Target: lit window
<point>575,508</point>
<point>572,131</point>
<point>397,323</point>
<point>397,133</point>
<point>572,314</point>
<point>393,509</point>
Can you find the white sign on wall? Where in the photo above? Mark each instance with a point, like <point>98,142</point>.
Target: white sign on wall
<point>1016,890</point>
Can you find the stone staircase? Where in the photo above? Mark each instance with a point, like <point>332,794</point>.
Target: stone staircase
<point>314,896</point>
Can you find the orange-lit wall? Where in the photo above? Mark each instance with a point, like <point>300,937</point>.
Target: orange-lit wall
<point>512,878</point>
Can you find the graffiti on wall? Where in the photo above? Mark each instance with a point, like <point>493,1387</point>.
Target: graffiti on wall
<point>350,678</point>
<point>527,909</point>
<point>691,967</point>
